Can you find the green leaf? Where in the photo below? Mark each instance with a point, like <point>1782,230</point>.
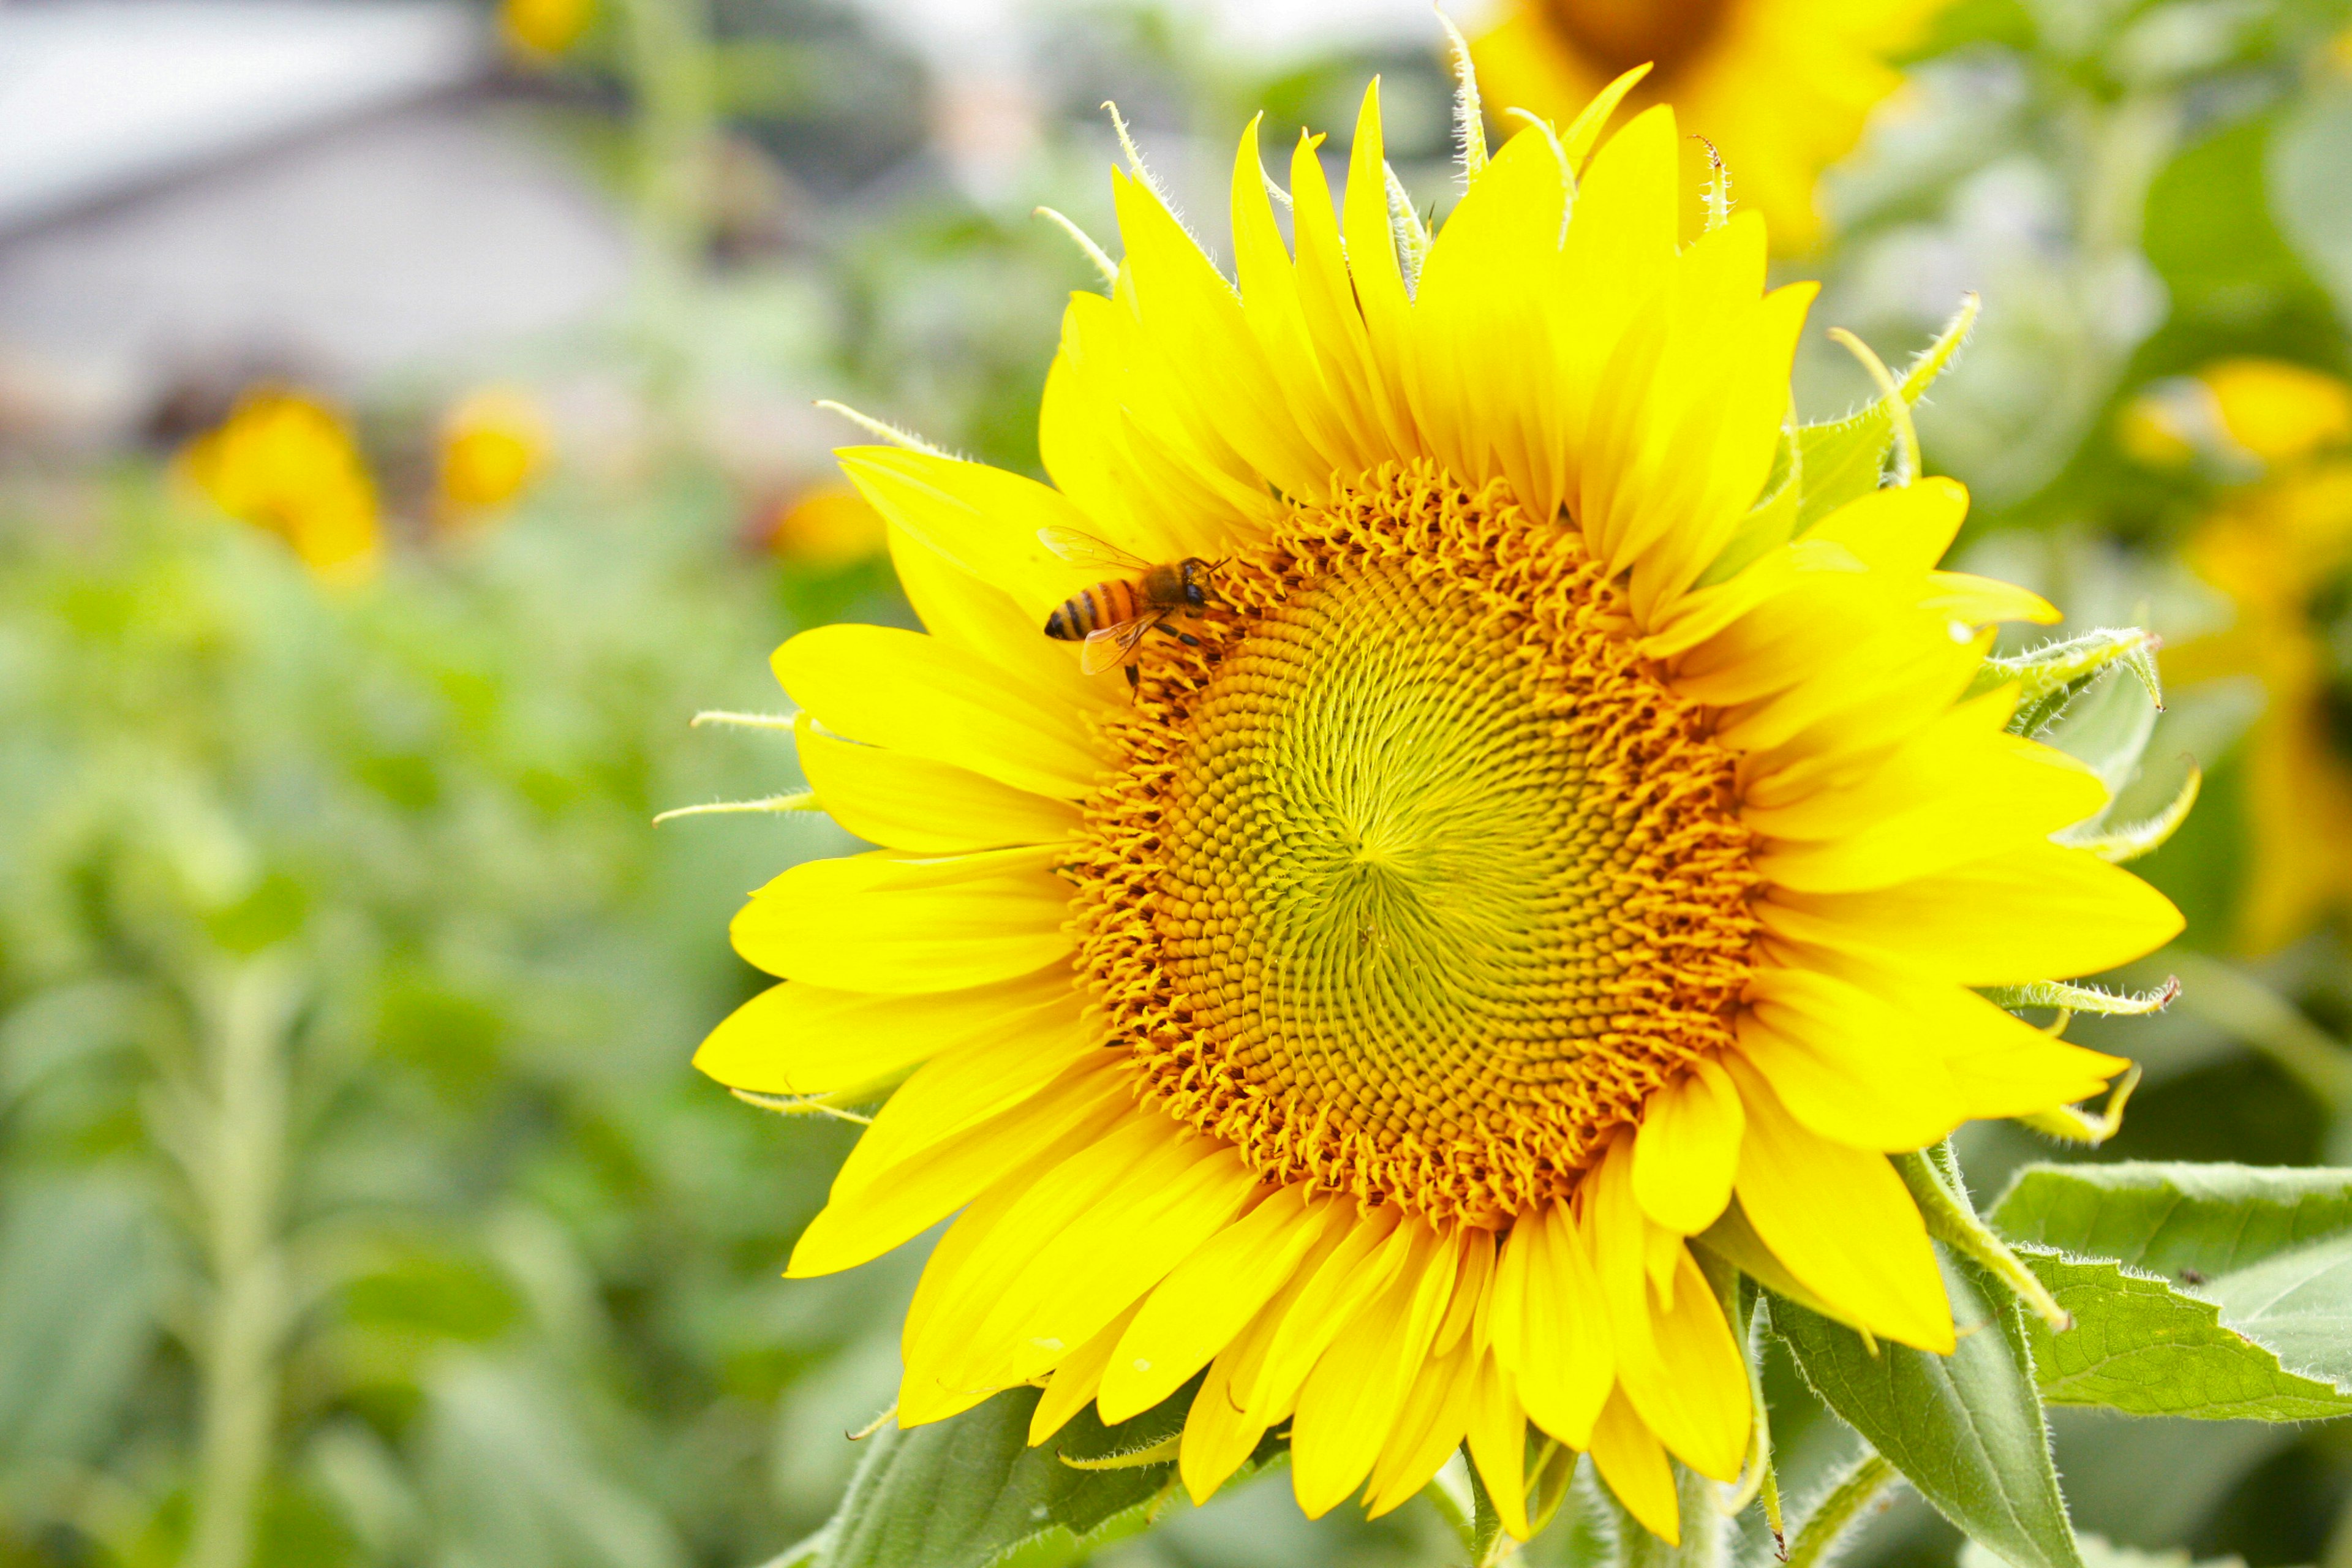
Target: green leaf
<point>2207,1219</point>
<point>970,1492</point>
<point>1966,1429</point>
<point>2142,1346</point>
<point>2298,1303</point>
<point>2098,1552</point>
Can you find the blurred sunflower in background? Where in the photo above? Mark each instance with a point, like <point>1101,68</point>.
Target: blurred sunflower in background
<point>1525,891</point>
<point>493,444</point>
<point>542,29</point>
<point>1782,88</point>
<point>285,461</point>
<point>2279,547</point>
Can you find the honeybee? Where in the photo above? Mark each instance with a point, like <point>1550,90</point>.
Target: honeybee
<point>1113,616</point>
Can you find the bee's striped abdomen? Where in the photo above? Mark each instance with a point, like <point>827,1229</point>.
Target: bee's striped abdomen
<point>1104,604</point>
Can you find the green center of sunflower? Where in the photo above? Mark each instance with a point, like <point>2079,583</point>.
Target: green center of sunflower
<point>1418,881</point>
<point>1615,36</point>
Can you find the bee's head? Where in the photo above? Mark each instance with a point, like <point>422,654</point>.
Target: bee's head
<point>1200,582</point>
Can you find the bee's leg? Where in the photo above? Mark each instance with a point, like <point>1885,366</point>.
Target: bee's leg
<point>1187,638</point>
<point>1134,681</point>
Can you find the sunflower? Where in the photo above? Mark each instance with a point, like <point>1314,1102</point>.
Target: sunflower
<point>1517,897</point>
<point>2279,547</point>
<point>1782,88</point>
<point>285,461</point>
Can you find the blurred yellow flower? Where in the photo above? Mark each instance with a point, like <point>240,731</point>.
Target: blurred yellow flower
<point>285,461</point>
<point>2280,548</point>
<point>544,27</point>
<point>1780,86</point>
<point>493,444</point>
<point>827,527</point>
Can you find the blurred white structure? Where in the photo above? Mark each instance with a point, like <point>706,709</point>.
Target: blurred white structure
<point>201,188</point>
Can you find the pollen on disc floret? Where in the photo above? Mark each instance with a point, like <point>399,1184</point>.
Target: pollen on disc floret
<point>1416,880</point>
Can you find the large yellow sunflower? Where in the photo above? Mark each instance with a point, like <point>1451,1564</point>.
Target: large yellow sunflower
<point>1503,917</point>
<point>1780,86</point>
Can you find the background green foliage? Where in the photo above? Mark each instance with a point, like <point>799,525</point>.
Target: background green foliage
<point>346,995</point>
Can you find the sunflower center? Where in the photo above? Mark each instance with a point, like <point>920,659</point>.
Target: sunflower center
<point>1417,881</point>
<point>1617,35</point>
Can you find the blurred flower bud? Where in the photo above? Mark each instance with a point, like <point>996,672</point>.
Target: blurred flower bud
<point>825,528</point>
<point>2277,411</point>
<point>544,28</point>
<point>286,462</point>
<point>494,443</point>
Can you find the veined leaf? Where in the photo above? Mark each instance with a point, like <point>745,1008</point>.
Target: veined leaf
<point>2209,1220</point>
<point>1966,1430</point>
<point>2297,1303</point>
<point>970,1492</point>
<point>2142,1346</point>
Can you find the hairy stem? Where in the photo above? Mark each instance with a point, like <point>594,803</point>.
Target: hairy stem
<point>1818,1537</point>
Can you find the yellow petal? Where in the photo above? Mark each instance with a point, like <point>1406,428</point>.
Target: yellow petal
<point>1629,1458</point>
<point>2000,1064</point>
<point>1845,1063</point>
<point>1550,1326</point>
<point>1903,528</point>
<point>1841,1222</point>
<point>2041,912</point>
<point>1196,1312</point>
<point>1480,330</point>
<point>804,1039</point>
<point>906,925</point>
<point>1689,1149</point>
<point>1048,1281</point>
<point>1497,1440</point>
<point>984,519</point>
<point>862,1223</point>
<point>1947,804</point>
<point>1075,1381</point>
<point>1352,1398</point>
<point>1427,1430</point>
<point>1219,1434</point>
<point>926,698</point>
<point>915,804</point>
<point>982,620</point>
<point>1358,1269</point>
<point>1675,1356</point>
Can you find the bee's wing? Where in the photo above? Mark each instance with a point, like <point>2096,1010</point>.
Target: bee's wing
<point>1109,648</point>
<point>1085,549</point>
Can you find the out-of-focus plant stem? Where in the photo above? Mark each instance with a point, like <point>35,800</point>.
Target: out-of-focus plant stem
<point>234,1155</point>
<point>670,68</point>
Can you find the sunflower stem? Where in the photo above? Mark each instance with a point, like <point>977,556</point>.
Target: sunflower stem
<point>1818,1538</point>
<point>1934,1179</point>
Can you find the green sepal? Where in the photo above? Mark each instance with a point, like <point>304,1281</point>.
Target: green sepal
<point>2050,677</point>
<point>2073,1124</point>
<point>1844,459</point>
<point>1943,1201</point>
<point>2121,846</point>
<point>2069,998</point>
